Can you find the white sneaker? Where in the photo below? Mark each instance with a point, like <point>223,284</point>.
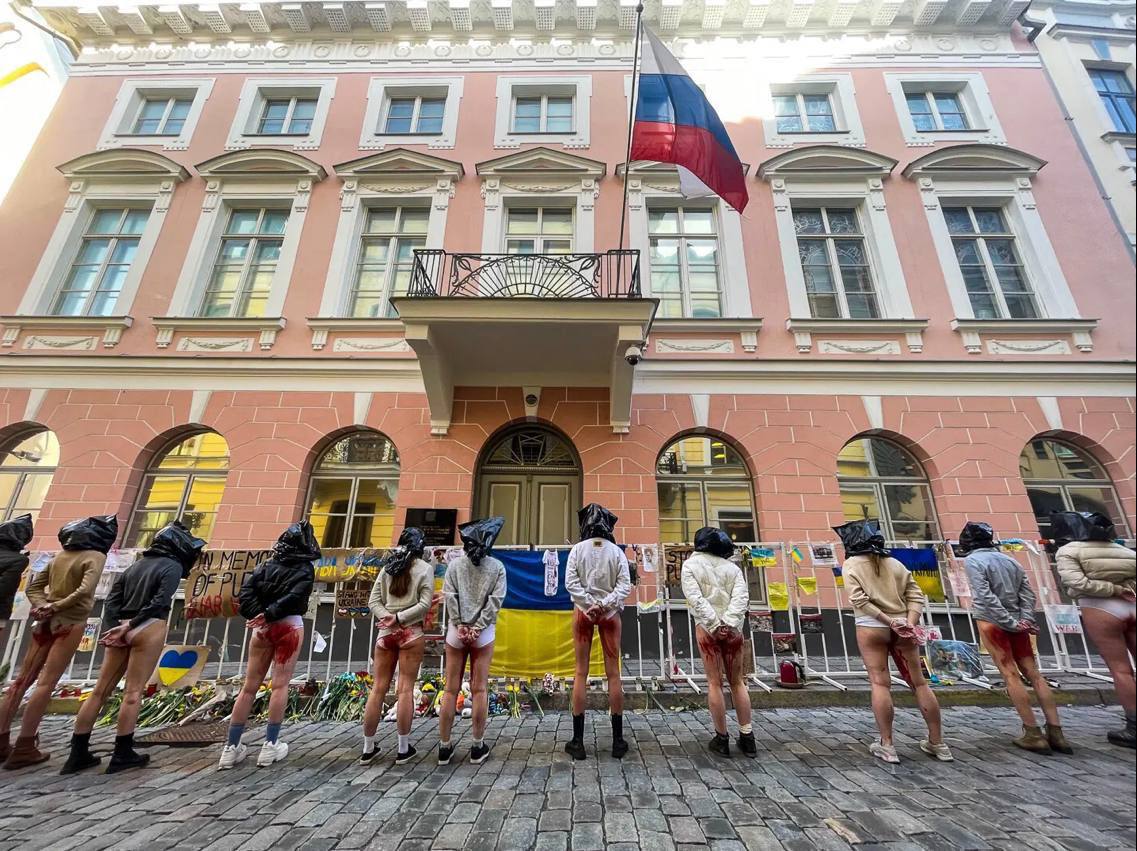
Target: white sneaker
<point>885,753</point>
<point>232,755</point>
<point>271,752</point>
<point>941,751</point>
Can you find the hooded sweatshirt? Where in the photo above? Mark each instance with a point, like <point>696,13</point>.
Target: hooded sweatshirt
<point>473,592</point>
<point>716,591</point>
<point>1096,568</point>
<point>14,536</point>
<point>893,592</point>
<point>597,574</point>
<point>1000,592</point>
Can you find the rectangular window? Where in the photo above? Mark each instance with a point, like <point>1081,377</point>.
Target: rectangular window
<point>414,115</point>
<point>539,230</point>
<point>386,258</point>
<point>1116,93</point>
<point>101,264</point>
<point>161,117</point>
<point>542,114</point>
<point>996,282</point>
<point>804,113</point>
<point>246,262</point>
<point>834,261</point>
<point>286,116</point>
<point>932,111</point>
<point>684,262</point>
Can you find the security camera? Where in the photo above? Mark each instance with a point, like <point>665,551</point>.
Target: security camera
<point>633,355</point>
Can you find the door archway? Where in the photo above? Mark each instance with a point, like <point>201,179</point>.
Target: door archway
<point>531,476</point>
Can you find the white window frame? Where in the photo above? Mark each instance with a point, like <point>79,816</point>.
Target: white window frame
<point>842,99</point>
<point>975,98</point>
<point>993,281</point>
<point>257,91</point>
<point>538,237</point>
<point>101,180</point>
<point>830,255</point>
<point>117,132</point>
<point>509,88</point>
<point>542,99</point>
<point>114,239</point>
<point>682,207</point>
<point>652,184</point>
<point>1126,70</point>
<point>393,178</point>
<point>380,92</point>
<point>243,291</point>
<point>392,239</point>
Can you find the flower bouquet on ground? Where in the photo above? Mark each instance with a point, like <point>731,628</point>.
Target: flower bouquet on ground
<point>344,698</point>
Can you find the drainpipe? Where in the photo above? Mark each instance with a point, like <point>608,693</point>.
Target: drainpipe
<point>1034,30</point>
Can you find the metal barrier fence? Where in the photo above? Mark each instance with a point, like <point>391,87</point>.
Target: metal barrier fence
<point>799,610</point>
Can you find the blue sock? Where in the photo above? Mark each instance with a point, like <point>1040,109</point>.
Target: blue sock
<point>272,732</point>
<point>235,732</point>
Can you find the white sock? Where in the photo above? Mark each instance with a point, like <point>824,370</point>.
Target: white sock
<point>404,742</point>
<point>745,728</point>
<point>445,744</point>
<point>478,743</point>
<point>368,744</point>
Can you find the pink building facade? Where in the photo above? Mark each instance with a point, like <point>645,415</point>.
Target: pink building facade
<point>214,237</point>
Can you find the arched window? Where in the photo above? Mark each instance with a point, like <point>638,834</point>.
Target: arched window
<point>351,496</point>
<point>27,465</point>
<point>1061,477</point>
<point>703,481</point>
<point>880,480</point>
<point>185,482</point>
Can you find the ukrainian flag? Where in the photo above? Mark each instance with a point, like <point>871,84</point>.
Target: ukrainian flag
<point>533,636</point>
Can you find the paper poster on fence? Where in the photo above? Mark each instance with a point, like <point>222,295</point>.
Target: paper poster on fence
<point>180,665</point>
<point>779,595</point>
<point>1065,620</point>
<point>822,555</point>
<point>117,562</point>
<point>957,576</point>
<point>807,585</point>
<point>90,637</point>
<point>215,581</point>
<point>21,606</point>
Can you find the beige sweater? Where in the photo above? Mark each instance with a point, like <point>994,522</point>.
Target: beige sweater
<point>410,607</point>
<point>1096,568</point>
<point>68,583</point>
<point>893,592</point>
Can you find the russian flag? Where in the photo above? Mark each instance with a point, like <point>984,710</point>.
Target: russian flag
<point>675,123</point>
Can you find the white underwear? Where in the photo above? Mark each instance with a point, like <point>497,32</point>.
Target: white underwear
<point>871,622</point>
<point>485,637</point>
<point>1121,609</point>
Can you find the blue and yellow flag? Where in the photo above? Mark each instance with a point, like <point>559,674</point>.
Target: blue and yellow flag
<point>534,632</point>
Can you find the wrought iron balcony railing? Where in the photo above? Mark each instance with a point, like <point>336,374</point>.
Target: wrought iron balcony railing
<point>610,274</point>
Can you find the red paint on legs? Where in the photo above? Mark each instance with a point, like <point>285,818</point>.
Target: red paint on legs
<point>284,639</point>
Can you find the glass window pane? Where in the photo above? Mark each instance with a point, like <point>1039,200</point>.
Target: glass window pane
<point>785,105</point>
<point>842,221</point>
<point>1021,306</point>
<point>698,221</point>
<point>990,220</point>
<point>304,108</point>
<point>923,122</point>
<point>81,279</point>
<point>808,221</point>
<point>958,220</point>
<point>560,107</point>
<point>432,107</point>
<point>859,503</point>
<point>663,221</point>
<point>789,124</point>
<point>918,103</point>
<point>401,108</point>
<point>135,222</point>
<point>93,251</point>
<point>274,221</point>
<point>967,252</point>
<point>381,220</point>
<point>822,124</point>
<point>105,220</point>
<point>243,221</point>
<point>522,221</point>
<point>850,252</point>
<point>397,125</point>
<point>701,252</point>
<point>414,220</point>
<point>822,306</point>
<point>557,221</point>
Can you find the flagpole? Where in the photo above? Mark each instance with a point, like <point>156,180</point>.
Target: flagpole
<point>631,118</point>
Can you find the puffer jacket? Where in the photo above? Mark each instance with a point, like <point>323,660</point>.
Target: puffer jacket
<point>1096,568</point>
<point>277,589</point>
<point>14,536</point>
<point>716,591</point>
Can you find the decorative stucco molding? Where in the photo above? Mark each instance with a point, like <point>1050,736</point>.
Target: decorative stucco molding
<point>112,327</point>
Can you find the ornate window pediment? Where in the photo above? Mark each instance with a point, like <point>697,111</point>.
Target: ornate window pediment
<point>975,160</point>
<point>823,161</point>
<point>542,162</point>
<point>123,163</point>
<point>400,162</point>
<point>261,163</point>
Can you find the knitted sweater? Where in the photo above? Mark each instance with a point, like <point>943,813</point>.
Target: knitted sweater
<point>473,592</point>
<point>891,592</point>
<point>410,607</point>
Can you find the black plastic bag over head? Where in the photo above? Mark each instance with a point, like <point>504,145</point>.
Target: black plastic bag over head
<point>976,536</point>
<point>91,533</point>
<point>862,537</point>
<point>596,521</point>
<point>1067,526</point>
<point>15,534</point>
<point>177,542</point>
<point>412,542</point>
<point>297,543</point>
<point>478,537</point>
<point>711,539</point>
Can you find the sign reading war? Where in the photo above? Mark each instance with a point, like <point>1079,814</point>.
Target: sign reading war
<point>215,582</point>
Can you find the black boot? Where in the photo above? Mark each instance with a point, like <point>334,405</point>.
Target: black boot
<point>575,748</point>
<point>720,744</point>
<point>125,756</point>
<point>1126,738</point>
<point>746,744</point>
<point>619,746</point>
<point>80,757</point>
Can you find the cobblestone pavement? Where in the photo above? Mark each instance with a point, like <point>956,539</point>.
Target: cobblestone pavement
<point>812,786</point>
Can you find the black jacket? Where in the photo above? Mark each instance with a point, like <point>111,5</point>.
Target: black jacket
<point>277,589</point>
<point>14,536</point>
<point>145,590</point>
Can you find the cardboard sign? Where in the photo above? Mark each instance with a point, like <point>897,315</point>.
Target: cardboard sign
<point>214,583</point>
<point>180,665</point>
<point>673,558</point>
<point>351,600</point>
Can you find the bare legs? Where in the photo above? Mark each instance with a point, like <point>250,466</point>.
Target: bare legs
<point>480,658</point>
<point>720,661</point>
<point>260,659</point>
<point>874,645</point>
<point>142,657</point>
<point>58,658</point>
<point>408,659</point>
<point>46,659</point>
<point>610,630</point>
<point>1115,640</point>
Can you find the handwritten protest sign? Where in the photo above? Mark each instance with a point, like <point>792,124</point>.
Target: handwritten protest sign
<point>351,600</point>
<point>215,582</point>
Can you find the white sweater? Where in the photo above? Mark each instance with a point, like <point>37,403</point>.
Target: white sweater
<point>716,591</point>
<point>597,573</point>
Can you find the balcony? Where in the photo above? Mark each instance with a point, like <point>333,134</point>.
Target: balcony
<point>525,320</point>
